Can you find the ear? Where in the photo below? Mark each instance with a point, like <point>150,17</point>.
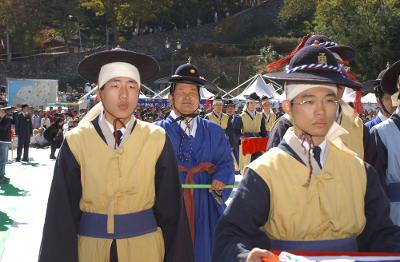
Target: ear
<point>171,100</point>
<point>98,96</point>
<point>286,107</point>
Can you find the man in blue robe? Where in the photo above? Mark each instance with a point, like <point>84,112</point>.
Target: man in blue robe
<point>234,131</point>
<point>387,136</point>
<point>204,157</point>
<point>384,100</point>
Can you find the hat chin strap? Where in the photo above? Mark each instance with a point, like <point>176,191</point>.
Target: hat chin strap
<point>384,107</point>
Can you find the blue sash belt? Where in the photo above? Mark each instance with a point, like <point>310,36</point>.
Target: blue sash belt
<point>126,225</point>
<point>251,135</point>
<point>394,192</point>
<point>343,245</point>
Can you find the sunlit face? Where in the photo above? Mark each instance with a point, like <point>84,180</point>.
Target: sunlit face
<point>218,107</point>
<point>266,106</point>
<point>314,111</point>
<point>387,102</point>
<point>185,98</point>
<point>120,97</point>
<point>230,110</point>
<point>251,105</point>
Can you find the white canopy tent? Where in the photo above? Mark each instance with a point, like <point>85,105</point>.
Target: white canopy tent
<point>255,84</point>
<point>349,96</point>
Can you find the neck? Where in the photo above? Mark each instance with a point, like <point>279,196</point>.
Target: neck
<point>118,124</point>
<point>317,140</point>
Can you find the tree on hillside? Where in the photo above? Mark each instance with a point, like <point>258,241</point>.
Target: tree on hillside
<point>125,14</point>
<point>370,26</point>
<point>60,18</point>
<point>23,21</point>
<point>296,16</point>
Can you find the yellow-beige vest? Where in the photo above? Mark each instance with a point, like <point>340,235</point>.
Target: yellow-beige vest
<point>332,207</point>
<point>223,122</point>
<point>118,181</point>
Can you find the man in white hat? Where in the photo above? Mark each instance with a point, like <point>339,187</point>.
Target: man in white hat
<point>309,193</point>
<point>115,194</point>
<point>217,116</point>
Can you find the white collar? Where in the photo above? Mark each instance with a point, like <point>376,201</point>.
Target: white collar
<point>111,127</point>
<point>189,131</point>
<point>381,116</point>
<point>252,113</point>
<point>219,115</point>
<point>322,146</point>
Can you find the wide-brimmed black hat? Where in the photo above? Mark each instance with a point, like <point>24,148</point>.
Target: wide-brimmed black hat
<point>207,84</point>
<point>314,64</point>
<point>253,97</point>
<point>230,102</point>
<point>370,85</point>
<point>89,67</point>
<point>265,98</point>
<point>347,53</point>
<point>187,73</point>
<point>390,78</point>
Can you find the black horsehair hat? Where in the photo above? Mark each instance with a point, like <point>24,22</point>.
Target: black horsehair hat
<point>370,86</point>
<point>314,64</point>
<point>390,79</point>
<point>265,98</point>
<point>347,53</point>
<point>89,67</point>
<point>187,73</point>
<point>230,102</point>
<point>253,97</point>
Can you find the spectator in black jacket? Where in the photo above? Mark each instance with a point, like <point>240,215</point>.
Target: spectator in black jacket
<point>23,129</point>
<point>54,135</point>
<point>5,141</point>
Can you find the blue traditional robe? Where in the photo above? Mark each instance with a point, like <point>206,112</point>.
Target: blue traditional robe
<point>387,136</point>
<point>208,145</point>
<point>378,119</point>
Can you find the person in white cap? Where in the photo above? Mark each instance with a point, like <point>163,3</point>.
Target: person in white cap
<point>309,193</point>
<point>115,194</point>
<point>217,116</point>
<point>268,114</point>
<point>387,136</point>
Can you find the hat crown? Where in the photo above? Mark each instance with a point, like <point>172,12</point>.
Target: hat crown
<point>254,96</point>
<point>321,40</point>
<point>218,97</point>
<point>187,70</point>
<point>264,98</point>
<point>313,55</point>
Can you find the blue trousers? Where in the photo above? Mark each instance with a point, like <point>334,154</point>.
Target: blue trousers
<point>3,157</point>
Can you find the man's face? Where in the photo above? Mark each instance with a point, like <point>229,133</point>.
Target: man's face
<point>387,102</point>
<point>251,105</point>
<point>218,107</point>
<point>314,111</point>
<point>120,97</point>
<point>266,106</point>
<point>230,110</point>
<point>185,98</point>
